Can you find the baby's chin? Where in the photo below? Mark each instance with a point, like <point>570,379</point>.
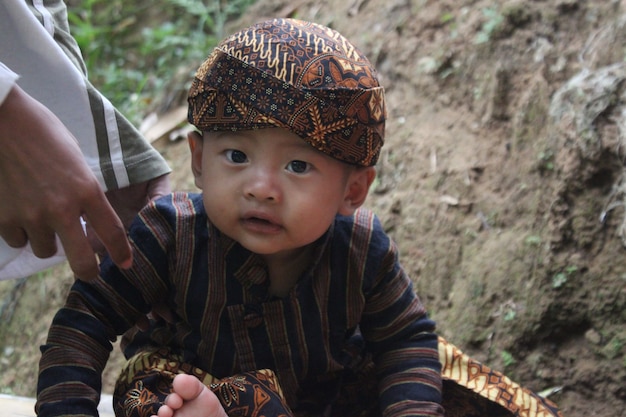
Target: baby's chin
<point>273,244</point>
<point>277,251</point>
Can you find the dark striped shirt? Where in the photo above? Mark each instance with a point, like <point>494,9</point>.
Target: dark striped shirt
<point>227,323</point>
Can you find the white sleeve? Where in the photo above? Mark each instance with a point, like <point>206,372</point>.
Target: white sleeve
<point>48,75</point>
<point>36,44</point>
<point>7,81</point>
<point>22,262</point>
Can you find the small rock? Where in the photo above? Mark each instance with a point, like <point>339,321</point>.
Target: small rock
<point>593,337</point>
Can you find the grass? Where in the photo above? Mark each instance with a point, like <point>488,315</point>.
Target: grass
<point>493,20</point>
<point>133,49</point>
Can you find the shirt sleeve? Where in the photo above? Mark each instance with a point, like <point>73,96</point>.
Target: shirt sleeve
<point>81,334</point>
<point>7,80</point>
<point>402,337</point>
<point>38,46</point>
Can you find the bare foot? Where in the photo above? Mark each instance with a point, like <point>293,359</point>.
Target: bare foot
<point>191,398</point>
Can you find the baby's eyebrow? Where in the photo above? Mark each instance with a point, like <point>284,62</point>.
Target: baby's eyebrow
<point>231,135</point>
<point>303,147</point>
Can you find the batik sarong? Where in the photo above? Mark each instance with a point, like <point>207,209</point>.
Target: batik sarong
<point>470,389</point>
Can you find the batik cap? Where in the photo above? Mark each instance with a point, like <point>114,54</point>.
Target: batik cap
<point>297,75</point>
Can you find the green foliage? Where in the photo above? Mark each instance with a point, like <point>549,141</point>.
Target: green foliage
<point>132,49</point>
<point>510,315</point>
<point>560,278</point>
<point>507,359</point>
<point>493,21</point>
<point>546,160</point>
<point>447,18</point>
<point>533,240</point>
<point>615,347</point>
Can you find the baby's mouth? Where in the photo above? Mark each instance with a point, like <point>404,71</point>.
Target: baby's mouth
<point>261,224</point>
<point>258,220</point>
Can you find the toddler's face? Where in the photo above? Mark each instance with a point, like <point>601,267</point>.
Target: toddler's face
<point>268,189</point>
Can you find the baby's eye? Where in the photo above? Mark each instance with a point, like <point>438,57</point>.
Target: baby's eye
<point>299,167</point>
<point>235,156</point>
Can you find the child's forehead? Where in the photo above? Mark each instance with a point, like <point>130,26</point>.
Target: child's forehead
<point>297,75</point>
<point>271,136</point>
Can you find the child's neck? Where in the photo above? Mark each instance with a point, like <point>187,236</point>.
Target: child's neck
<point>285,269</point>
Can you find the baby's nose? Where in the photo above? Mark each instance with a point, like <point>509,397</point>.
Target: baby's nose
<point>263,186</point>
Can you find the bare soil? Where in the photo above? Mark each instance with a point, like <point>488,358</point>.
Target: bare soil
<point>502,180</point>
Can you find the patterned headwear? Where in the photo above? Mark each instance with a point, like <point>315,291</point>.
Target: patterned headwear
<point>297,75</point>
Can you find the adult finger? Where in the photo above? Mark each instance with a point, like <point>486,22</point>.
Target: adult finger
<point>14,236</point>
<point>42,240</point>
<point>80,256</point>
<point>110,231</point>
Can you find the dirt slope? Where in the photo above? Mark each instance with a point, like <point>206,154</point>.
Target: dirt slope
<point>504,153</point>
<point>502,180</point>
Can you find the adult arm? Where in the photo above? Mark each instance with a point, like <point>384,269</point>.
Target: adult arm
<point>36,38</point>
<point>127,202</point>
<point>47,186</point>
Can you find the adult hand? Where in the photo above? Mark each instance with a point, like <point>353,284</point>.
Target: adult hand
<point>127,202</point>
<point>46,186</point>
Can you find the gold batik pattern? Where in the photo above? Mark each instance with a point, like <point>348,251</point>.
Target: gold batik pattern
<point>473,389</point>
<point>298,75</point>
<point>470,389</point>
<point>146,381</point>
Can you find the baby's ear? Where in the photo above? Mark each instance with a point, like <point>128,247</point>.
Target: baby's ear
<point>195,146</point>
<point>357,188</point>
